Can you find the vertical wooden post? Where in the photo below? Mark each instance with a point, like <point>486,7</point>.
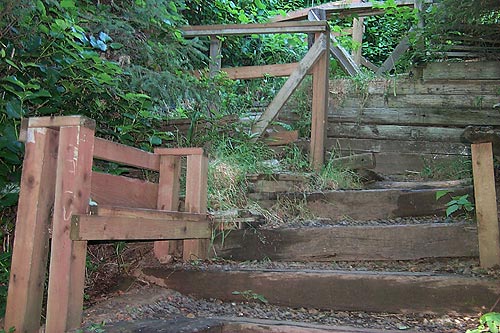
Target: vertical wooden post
<point>320,106</point>
<point>486,204</point>
<point>357,36</point>
<point>31,243</point>
<point>196,202</point>
<point>168,199</point>
<point>215,59</point>
<point>67,261</point>
<point>314,14</point>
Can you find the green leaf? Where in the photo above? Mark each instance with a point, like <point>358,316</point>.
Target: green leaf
<point>104,37</point>
<point>259,4</point>
<point>155,141</point>
<point>14,109</point>
<point>116,46</point>
<point>41,8</point>
<point>452,209</point>
<point>68,4</point>
<point>441,193</point>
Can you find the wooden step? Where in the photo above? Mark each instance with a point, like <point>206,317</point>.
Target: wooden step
<point>368,204</point>
<point>387,242</point>
<point>230,325</point>
<point>337,290</point>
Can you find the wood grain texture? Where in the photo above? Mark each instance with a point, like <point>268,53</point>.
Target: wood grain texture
<point>67,261</point>
<point>179,151</point>
<point>254,72</point>
<point>281,138</point>
<point>402,147</point>
<point>256,28</point>
<point>336,7</point>
<point>410,86</point>
<point>459,101</point>
<point>319,108</point>
<point>377,203</point>
<point>394,132</point>
<point>402,163</point>
<point>196,202</point>
<point>31,242</point>
<point>86,227</point>
<point>462,70</point>
<point>486,204</point>
<point>165,215</point>
<point>111,190</point>
<point>168,199</point>
<point>338,290</point>
<point>398,242</point>
<point>56,122</point>
<point>115,152</point>
<point>416,116</point>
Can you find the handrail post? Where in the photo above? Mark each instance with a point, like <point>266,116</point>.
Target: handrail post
<point>31,242</point>
<point>72,195</point>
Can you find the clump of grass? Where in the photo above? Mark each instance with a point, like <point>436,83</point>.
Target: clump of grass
<point>294,159</point>
<point>457,168</point>
<point>227,186</point>
<point>233,160</point>
<point>334,177</point>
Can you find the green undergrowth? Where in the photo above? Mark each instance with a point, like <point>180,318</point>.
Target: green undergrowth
<point>456,168</point>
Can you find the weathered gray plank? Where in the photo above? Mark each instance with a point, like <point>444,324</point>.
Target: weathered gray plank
<point>464,102</point>
<point>377,203</point>
<point>338,290</point>
<point>394,132</point>
<point>416,116</point>
<point>406,86</point>
<point>397,163</point>
<point>462,70</point>
<point>392,146</point>
<point>399,242</point>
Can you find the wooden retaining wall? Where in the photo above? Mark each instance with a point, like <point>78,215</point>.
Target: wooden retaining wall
<point>408,122</point>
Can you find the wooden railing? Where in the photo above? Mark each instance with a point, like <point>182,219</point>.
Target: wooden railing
<point>58,177</point>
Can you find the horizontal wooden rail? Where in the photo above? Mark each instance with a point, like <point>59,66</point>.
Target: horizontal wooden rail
<point>88,227</point>
<point>53,123</point>
<point>114,190</point>
<point>254,72</point>
<point>179,151</point>
<point>165,215</point>
<point>343,8</point>
<point>249,29</point>
<point>116,152</point>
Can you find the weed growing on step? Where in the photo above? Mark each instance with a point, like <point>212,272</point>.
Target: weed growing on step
<point>250,295</point>
<point>294,159</point>
<point>460,204</point>
<point>457,168</point>
<point>233,159</point>
<point>334,177</point>
<point>489,322</point>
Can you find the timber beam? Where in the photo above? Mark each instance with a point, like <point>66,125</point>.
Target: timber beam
<point>249,29</point>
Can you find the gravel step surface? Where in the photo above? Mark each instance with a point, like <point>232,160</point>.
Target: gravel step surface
<point>152,302</point>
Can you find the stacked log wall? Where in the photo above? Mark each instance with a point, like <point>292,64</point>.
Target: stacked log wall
<point>413,120</point>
